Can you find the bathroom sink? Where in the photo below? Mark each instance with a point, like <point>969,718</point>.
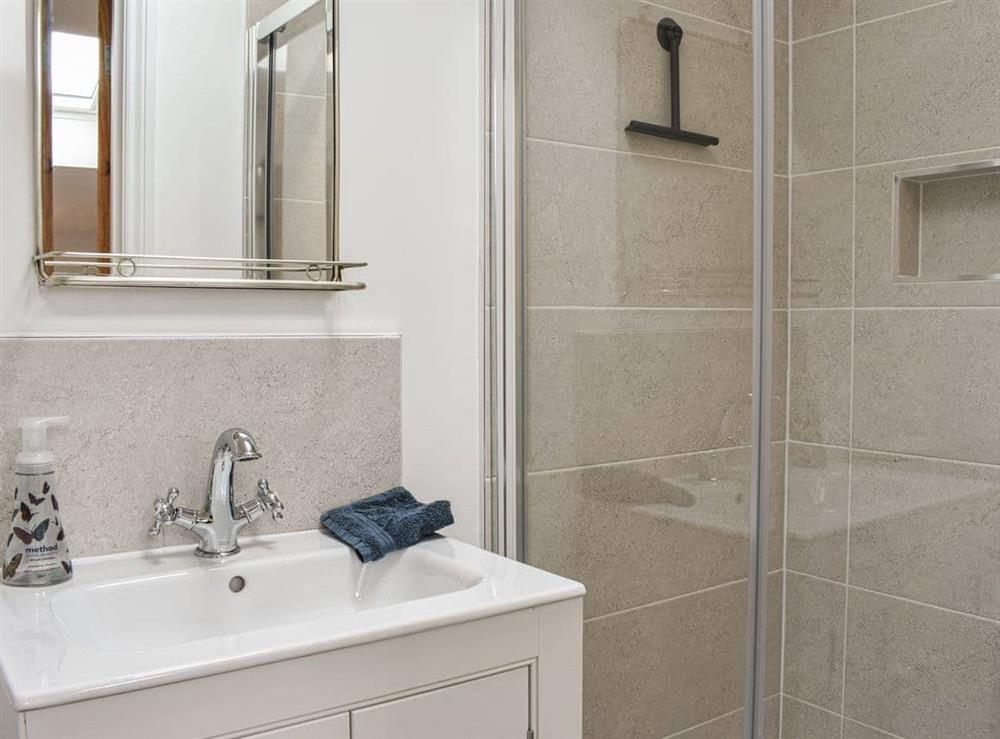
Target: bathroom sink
<point>259,590</point>
<point>140,619</point>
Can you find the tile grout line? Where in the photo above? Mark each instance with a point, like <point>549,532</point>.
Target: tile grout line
<point>672,9</point>
<point>850,392</point>
<point>664,601</point>
<point>300,200</point>
<point>942,155</point>
<point>905,455</point>
<point>821,34</point>
<point>895,307</point>
<point>703,723</point>
<point>304,95</point>
<point>636,460</point>
<point>814,172</point>
<point>818,707</point>
<point>621,152</point>
<point>844,718</point>
<point>902,598</point>
<point>897,15</point>
<point>854,23</point>
<point>885,162</point>
<point>875,728</point>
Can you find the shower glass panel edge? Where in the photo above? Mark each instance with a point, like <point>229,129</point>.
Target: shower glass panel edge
<point>504,335</point>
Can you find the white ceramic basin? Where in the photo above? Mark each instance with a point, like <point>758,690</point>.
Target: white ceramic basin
<point>135,611</point>
<point>139,619</point>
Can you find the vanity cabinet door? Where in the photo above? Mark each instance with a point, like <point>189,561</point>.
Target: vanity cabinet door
<point>331,727</point>
<point>494,707</point>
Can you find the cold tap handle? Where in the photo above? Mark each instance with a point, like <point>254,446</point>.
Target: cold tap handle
<point>270,500</point>
<point>164,512</point>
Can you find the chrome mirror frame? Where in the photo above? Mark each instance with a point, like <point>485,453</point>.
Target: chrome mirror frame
<point>257,269</point>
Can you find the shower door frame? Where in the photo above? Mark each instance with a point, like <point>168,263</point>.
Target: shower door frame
<point>503,323</point>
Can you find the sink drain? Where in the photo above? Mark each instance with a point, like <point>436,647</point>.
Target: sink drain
<point>237,584</point>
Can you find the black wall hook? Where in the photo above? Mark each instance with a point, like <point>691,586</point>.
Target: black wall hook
<point>669,34</point>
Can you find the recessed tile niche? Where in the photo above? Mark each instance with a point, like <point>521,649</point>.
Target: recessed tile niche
<point>947,223</point>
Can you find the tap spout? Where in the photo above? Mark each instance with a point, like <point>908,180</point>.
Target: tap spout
<point>218,524</point>
<point>225,518</point>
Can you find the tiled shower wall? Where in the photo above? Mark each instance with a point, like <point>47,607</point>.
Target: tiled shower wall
<point>639,256</point>
<point>892,625</point>
<point>145,413</point>
<point>300,111</point>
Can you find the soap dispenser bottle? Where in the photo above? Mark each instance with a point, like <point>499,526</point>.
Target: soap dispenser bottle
<point>36,552</point>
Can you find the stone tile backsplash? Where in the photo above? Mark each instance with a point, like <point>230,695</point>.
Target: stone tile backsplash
<point>145,414</point>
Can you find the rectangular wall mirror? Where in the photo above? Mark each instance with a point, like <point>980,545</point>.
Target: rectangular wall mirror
<point>188,144</point>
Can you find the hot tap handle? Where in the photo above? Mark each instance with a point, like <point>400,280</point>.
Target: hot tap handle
<point>270,500</point>
<point>164,512</point>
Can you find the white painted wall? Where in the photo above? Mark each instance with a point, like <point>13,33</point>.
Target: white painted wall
<point>411,173</point>
<point>194,120</point>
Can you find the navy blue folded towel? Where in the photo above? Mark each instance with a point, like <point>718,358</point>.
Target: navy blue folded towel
<point>382,523</point>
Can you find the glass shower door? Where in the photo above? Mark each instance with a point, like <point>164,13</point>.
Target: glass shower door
<point>637,355</point>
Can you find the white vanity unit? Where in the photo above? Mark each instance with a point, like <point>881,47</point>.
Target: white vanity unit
<point>294,639</point>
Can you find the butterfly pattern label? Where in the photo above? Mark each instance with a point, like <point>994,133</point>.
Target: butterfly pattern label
<point>35,552</point>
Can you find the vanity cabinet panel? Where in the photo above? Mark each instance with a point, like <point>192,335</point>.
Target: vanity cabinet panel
<point>495,707</point>
<point>331,727</point>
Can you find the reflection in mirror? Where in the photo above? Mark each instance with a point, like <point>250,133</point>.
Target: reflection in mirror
<point>76,125</point>
<point>188,143</point>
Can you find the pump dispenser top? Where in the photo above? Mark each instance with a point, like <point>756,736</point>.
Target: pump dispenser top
<point>35,456</point>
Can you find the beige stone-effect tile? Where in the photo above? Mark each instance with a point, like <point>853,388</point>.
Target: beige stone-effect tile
<point>658,670</point>
<point>779,244</point>
<point>299,148</point>
<point>959,226</point>
<point>729,726</point>
<point>818,487</point>
<point>772,717</point>
<point>774,638</point>
<point>781,19</point>
<point>779,374</point>
<point>257,9</point>
<point>820,376</point>
<point>822,103</point>
<point>928,82</point>
<point>332,401</point>
<point>854,730</point>
<point>781,102</point>
<point>676,525</point>
<point>822,240</point>
<point>299,228</point>
<point>868,10</point>
<point>921,672</point>
<point>801,721</point>
<point>814,640</point>
<point>810,17</point>
<point>626,79</point>
<point>874,270</point>
<point>300,55</point>
<point>775,542</point>
<point>927,530</point>
<point>731,12</point>
<point>925,382</point>
<point>612,385</point>
<point>605,228</point>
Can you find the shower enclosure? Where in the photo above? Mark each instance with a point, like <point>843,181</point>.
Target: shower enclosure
<point>748,392</point>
